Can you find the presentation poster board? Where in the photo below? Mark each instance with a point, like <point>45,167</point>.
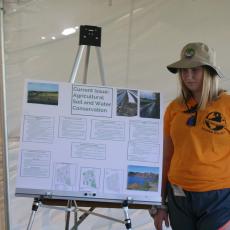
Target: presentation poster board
<point>93,143</point>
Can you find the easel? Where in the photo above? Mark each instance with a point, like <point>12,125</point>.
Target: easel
<point>89,36</point>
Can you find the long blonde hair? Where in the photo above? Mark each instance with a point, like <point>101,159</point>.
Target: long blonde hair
<point>210,89</point>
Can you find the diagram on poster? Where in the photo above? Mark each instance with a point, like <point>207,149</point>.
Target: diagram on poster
<point>90,142</point>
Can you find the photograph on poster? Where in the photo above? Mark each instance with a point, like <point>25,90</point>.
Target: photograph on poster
<point>42,93</point>
<point>127,102</point>
<point>143,178</point>
<point>149,104</point>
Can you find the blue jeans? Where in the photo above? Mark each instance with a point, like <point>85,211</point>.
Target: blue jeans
<point>200,210</point>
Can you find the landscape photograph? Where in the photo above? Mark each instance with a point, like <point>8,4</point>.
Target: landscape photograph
<point>42,93</point>
<point>149,104</point>
<point>127,102</point>
<point>143,178</point>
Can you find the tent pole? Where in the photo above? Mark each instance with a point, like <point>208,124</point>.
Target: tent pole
<point>3,116</point>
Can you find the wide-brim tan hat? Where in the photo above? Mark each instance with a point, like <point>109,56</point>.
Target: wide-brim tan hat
<point>196,54</point>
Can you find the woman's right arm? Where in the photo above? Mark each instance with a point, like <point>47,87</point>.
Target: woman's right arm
<point>162,215</point>
<point>167,157</point>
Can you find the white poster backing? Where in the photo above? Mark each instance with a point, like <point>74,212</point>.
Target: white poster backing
<point>86,142</point>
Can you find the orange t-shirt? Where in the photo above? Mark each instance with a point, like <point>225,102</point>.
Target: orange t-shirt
<point>201,157</point>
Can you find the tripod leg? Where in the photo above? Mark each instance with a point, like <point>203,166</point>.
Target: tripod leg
<point>83,216</point>
<point>86,64</point>
<point>77,63</point>
<point>67,218</point>
<point>75,227</point>
<point>100,63</point>
<point>34,209</point>
<point>128,224</point>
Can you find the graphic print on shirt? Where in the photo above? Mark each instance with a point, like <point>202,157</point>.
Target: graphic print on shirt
<point>214,122</point>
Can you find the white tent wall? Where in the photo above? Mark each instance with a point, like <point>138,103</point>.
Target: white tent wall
<point>2,196</point>
<point>4,172</point>
<point>139,38</point>
<point>2,179</point>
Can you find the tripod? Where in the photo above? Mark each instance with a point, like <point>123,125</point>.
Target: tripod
<point>89,36</point>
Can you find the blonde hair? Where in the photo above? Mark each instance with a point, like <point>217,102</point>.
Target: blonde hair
<point>210,89</point>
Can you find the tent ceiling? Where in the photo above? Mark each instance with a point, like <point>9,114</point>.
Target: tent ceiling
<point>139,38</point>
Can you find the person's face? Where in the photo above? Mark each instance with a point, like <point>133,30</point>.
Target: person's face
<point>193,78</point>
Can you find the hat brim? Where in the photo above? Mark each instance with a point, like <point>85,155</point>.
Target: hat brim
<point>183,64</point>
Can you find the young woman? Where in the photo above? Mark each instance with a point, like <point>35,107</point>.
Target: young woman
<point>196,162</point>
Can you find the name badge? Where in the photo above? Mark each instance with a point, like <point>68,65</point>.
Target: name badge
<point>177,190</point>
